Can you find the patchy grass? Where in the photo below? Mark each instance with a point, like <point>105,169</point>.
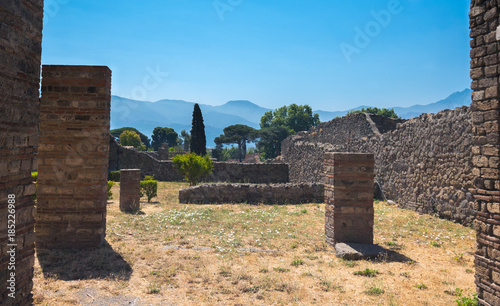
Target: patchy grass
<point>170,253</point>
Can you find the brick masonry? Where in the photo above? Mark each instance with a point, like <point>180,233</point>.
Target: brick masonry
<point>349,198</point>
<point>485,68</point>
<point>73,156</point>
<point>20,55</point>
<point>130,187</point>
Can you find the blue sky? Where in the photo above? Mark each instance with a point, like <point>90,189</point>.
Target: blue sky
<point>332,55</point>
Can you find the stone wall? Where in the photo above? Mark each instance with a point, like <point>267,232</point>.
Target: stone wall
<point>252,194</point>
<point>485,69</point>
<point>424,164</point>
<point>163,170</point>
<point>20,54</point>
<point>73,156</point>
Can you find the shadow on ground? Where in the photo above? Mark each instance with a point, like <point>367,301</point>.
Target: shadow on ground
<point>79,264</point>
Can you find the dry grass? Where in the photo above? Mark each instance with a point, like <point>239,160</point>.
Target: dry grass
<point>192,254</point>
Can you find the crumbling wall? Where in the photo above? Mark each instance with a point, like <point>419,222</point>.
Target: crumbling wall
<point>424,164</point>
<point>20,54</point>
<point>485,69</point>
<point>252,194</point>
<point>163,170</point>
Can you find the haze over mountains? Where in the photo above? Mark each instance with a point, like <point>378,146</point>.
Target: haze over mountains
<point>177,114</point>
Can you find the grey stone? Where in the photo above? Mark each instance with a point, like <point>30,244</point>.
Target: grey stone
<point>355,251</point>
<point>254,250</point>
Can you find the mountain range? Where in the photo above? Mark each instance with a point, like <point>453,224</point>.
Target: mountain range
<point>177,114</point>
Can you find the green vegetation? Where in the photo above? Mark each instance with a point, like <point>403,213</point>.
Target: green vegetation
<point>34,176</point>
<point>198,138</point>
<point>193,167</point>
<point>110,185</point>
<point>374,290</point>
<point>144,139</point>
<point>377,111</point>
<point>149,187</point>
<point>295,117</point>
<point>131,138</point>
<point>467,300</point>
<point>164,134</point>
<point>367,272</point>
<point>114,176</point>
<point>238,134</point>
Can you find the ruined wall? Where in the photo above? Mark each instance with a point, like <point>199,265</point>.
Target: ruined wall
<point>252,194</point>
<point>73,156</point>
<point>20,54</point>
<point>424,164</point>
<point>485,69</point>
<point>163,170</point>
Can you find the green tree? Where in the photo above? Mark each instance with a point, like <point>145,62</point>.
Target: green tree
<point>193,167</point>
<point>144,139</point>
<point>238,134</point>
<point>187,140</point>
<point>130,138</point>
<point>269,144</point>
<point>377,111</point>
<point>295,117</point>
<point>198,138</point>
<point>164,134</point>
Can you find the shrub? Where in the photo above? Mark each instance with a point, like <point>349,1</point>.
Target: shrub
<point>110,185</point>
<point>34,176</point>
<point>149,188</point>
<point>193,167</point>
<point>114,176</point>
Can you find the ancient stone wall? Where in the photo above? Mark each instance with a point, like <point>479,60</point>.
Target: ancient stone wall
<point>130,188</point>
<point>252,194</point>
<point>163,170</point>
<point>485,69</point>
<point>73,156</point>
<point>424,164</point>
<point>20,55</point>
<point>349,198</point>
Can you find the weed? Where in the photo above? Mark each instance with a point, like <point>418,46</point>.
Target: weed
<point>374,290</point>
<point>348,263</point>
<point>297,262</point>
<point>467,300</point>
<point>367,272</point>
<point>328,286</point>
<point>264,270</point>
<point>281,270</point>
<point>405,274</point>
<point>153,288</point>
<point>456,292</point>
<point>470,271</point>
<point>421,286</point>
<point>435,244</point>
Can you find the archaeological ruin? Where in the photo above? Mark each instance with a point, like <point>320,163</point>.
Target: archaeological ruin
<point>452,172</point>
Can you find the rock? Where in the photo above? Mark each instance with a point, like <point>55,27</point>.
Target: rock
<point>355,251</point>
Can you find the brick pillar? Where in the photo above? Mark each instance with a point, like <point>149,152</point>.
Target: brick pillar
<point>20,54</point>
<point>349,198</point>
<point>130,187</point>
<point>73,156</point>
<point>485,68</point>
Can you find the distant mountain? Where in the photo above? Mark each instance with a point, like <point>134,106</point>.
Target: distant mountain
<point>177,114</point>
<point>455,100</point>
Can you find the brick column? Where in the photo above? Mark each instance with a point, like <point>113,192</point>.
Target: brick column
<point>130,187</point>
<point>20,54</point>
<point>73,156</point>
<point>349,198</point>
<point>485,68</point>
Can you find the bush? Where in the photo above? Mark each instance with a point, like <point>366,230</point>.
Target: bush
<point>193,167</point>
<point>110,185</point>
<point>149,188</point>
<point>114,176</point>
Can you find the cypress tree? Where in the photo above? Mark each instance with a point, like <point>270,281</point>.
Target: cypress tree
<point>198,138</point>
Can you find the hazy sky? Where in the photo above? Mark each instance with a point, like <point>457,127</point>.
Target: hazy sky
<point>330,54</point>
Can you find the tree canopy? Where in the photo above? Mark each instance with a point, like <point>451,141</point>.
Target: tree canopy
<point>187,139</point>
<point>269,144</point>
<point>238,134</point>
<point>295,117</point>
<point>198,138</point>
<point>377,111</point>
<point>164,134</point>
<point>144,139</point>
<point>130,138</point>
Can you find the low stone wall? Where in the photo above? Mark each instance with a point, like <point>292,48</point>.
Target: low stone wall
<point>163,170</point>
<point>253,194</point>
<point>424,164</point>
